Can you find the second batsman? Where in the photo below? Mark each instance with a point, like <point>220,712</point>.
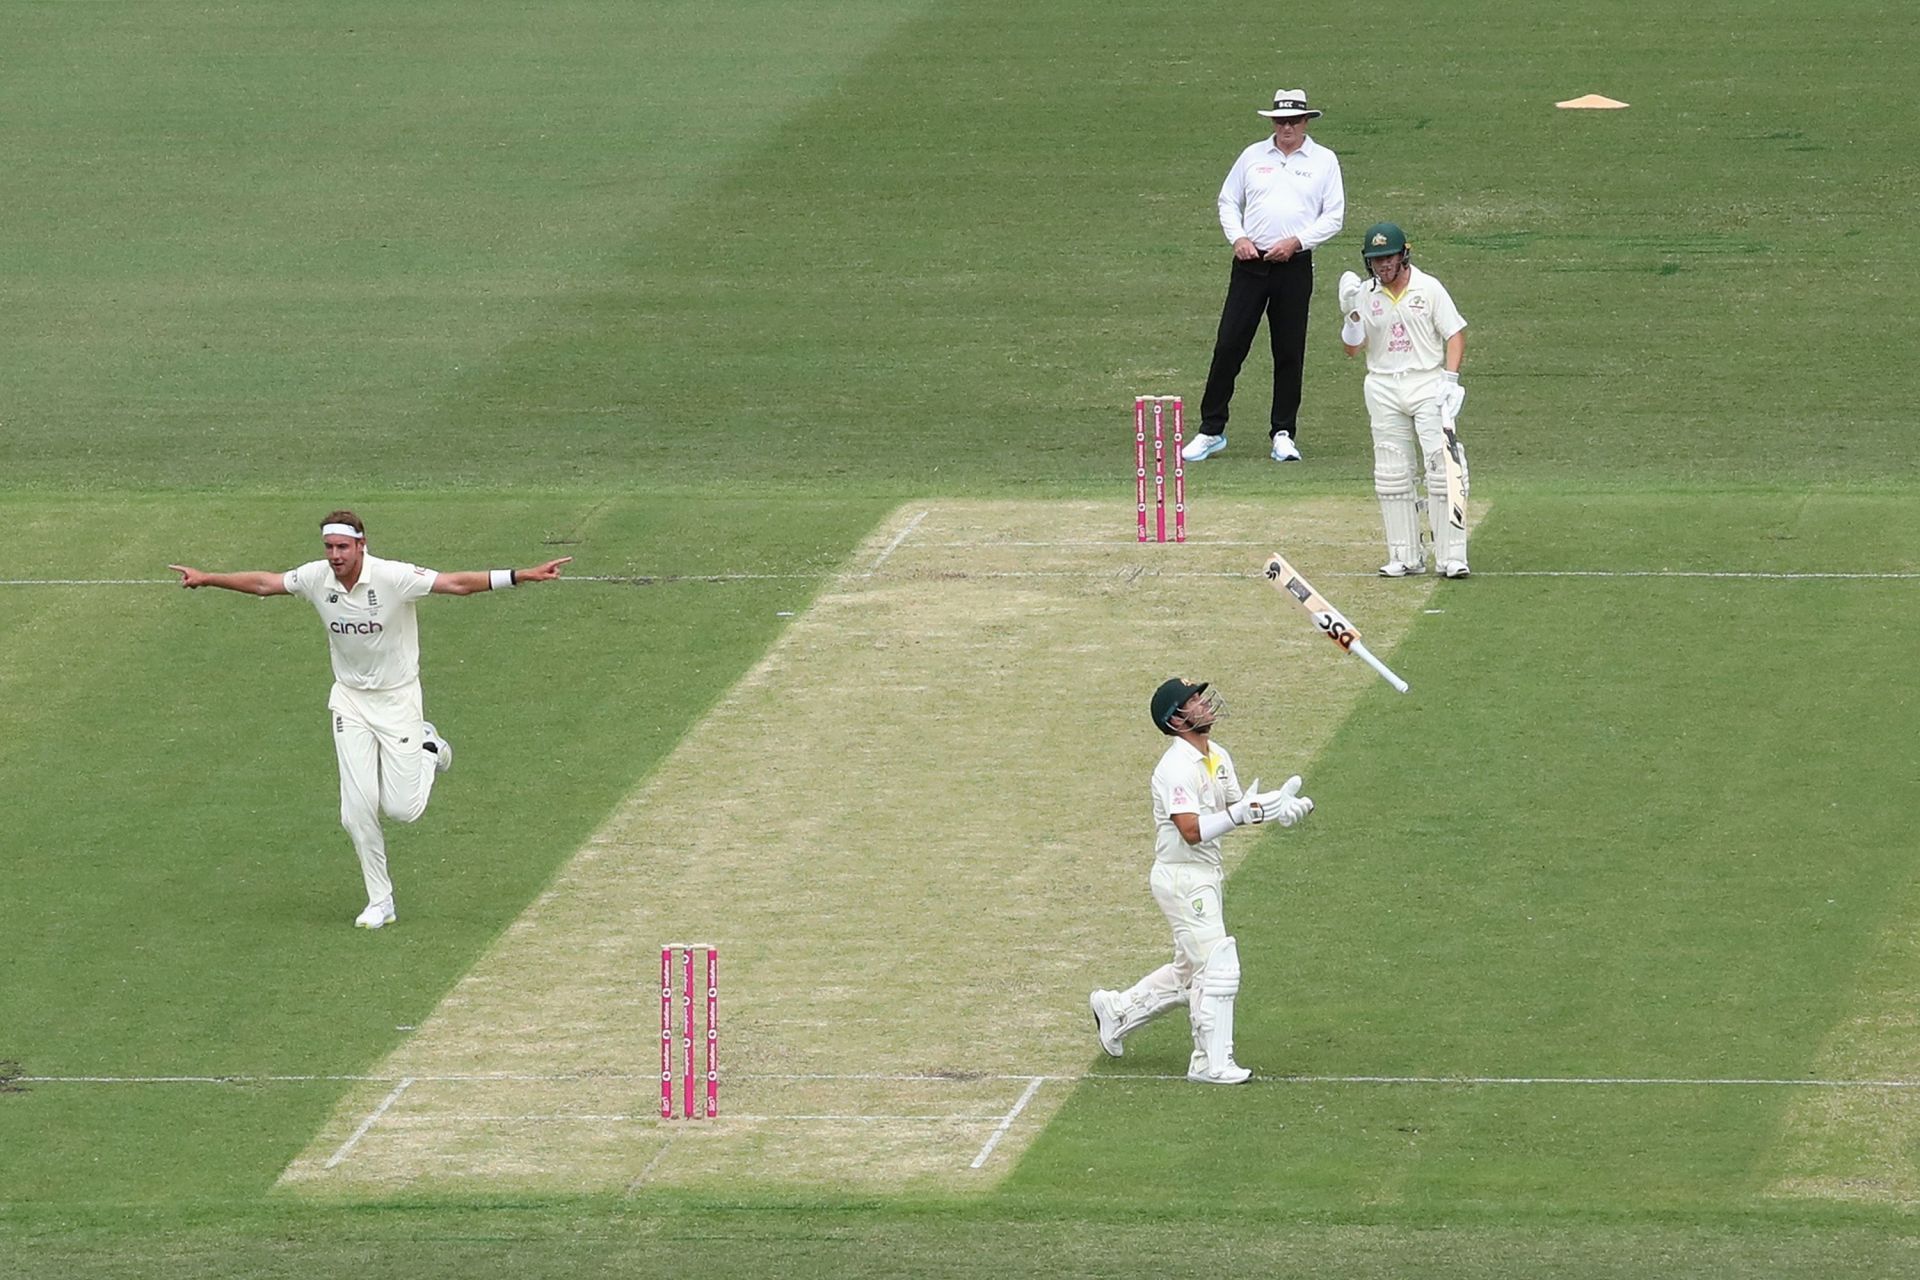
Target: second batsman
<point>1414,338</point>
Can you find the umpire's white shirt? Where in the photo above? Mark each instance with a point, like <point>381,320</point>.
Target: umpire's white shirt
<point>371,629</point>
<point>1269,195</point>
<point>1187,782</point>
<point>1409,334</point>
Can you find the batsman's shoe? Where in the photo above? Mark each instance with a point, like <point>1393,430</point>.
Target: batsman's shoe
<point>1106,1021</point>
<point>442,749</point>
<point>1284,449</point>
<point>1455,569</point>
<point>1231,1073</point>
<point>1401,569</point>
<point>1203,446</point>
<point>378,915</point>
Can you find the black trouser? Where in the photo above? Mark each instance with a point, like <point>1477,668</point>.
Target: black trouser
<point>1281,290</point>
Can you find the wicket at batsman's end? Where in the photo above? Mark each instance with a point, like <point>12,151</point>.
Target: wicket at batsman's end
<point>1160,404</point>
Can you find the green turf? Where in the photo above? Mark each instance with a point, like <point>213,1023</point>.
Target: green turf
<point>181,876</point>
<point>687,290</point>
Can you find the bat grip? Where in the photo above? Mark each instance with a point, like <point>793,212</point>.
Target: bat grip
<point>1366,655</point>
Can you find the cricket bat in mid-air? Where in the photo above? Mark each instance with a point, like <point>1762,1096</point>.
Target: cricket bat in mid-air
<point>1287,579</point>
<point>1456,464</point>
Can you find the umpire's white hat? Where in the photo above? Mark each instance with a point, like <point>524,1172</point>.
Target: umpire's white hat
<point>1288,104</point>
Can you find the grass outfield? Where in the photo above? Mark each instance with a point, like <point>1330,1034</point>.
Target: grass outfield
<point>701,296</point>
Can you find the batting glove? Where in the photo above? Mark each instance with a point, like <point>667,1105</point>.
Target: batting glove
<point>1252,807</point>
<point>1453,396</point>
<point>1291,807</point>
<point>1282,806</point>
<point>1349,291</point>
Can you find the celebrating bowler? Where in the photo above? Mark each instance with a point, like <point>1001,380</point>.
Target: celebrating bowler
<point>388,754</point>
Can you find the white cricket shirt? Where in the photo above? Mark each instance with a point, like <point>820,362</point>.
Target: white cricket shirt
<point>1409,332</point>
<point>1269,195</point>
<point>1187,782</point>
<point>371,629</point>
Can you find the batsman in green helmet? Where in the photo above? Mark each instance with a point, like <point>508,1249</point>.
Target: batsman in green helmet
<point>1197,798</point>
<point>1414,339</point>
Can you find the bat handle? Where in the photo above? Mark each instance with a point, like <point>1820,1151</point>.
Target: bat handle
<point>1366,655</point>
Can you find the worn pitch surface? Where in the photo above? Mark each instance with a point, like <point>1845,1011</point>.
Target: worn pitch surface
<point>917,832</point>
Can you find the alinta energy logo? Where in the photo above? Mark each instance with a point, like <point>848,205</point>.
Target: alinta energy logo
<point>344,628</point>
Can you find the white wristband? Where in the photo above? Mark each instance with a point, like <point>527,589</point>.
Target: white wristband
<point>500,579</point>
<point>1353,333</point>
<point>1215,825</point>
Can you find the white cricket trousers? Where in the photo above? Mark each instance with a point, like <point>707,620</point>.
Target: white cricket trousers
<point>377,737</point>
<point>1409,445</point>
<point>1404,410</point>
<point>1189,897</point>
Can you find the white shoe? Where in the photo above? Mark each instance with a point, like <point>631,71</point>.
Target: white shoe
<point>1284,449</point>
<point>441,749</point>
<point>1455,569</point>
<point>378,915</point>
<point>1106,1021</point>
<point>1401,569</point>
<point>1232,1073</point>
<point>1203,446</point>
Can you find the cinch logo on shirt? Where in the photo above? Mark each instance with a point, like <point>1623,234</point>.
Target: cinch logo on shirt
<point>355,628</point>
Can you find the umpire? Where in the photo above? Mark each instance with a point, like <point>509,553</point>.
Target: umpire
<point>1282,198</point>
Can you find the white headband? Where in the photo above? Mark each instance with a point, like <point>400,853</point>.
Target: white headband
<point>344,530</point>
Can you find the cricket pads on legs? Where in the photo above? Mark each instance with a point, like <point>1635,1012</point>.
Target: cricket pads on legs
<point>1399,512</point>
<point>1210,1002</point>
<point>1449,543</point>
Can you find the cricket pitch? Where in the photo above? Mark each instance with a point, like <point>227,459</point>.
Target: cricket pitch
<point>918,832</point>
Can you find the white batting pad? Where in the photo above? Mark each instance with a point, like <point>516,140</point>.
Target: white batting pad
<point>1449,543</point>
<point>1211,1005</point>
<point>1399,512</point>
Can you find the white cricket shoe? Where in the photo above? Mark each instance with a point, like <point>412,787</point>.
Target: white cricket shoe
<point>1455,569</point>
<point>1232,1073</point>
<point>1401,569</point>
<point>1284,449</point>
<point>1203,446</point>
<point>1106,1021</point>
<point>378,915</point>
<point>441,749</point>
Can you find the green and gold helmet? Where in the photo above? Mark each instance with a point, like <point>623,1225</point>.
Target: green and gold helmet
<point>1382,240</point>
<point>1173,695</point>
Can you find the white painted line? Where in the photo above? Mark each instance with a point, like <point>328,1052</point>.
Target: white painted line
<point>1889,576</point>
<point>681,578</point>
<point>893,546</point>
<point>650,1117</point>
<point>89,582</point>
<point>654,1163</point>
<point>1101,1077</point>
<point>368,1123</point>
<point>1006,1121</point>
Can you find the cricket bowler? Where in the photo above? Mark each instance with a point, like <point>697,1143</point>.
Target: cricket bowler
<point>1197,799</point>
<point>388,754</point>
<point>1414,337</point>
